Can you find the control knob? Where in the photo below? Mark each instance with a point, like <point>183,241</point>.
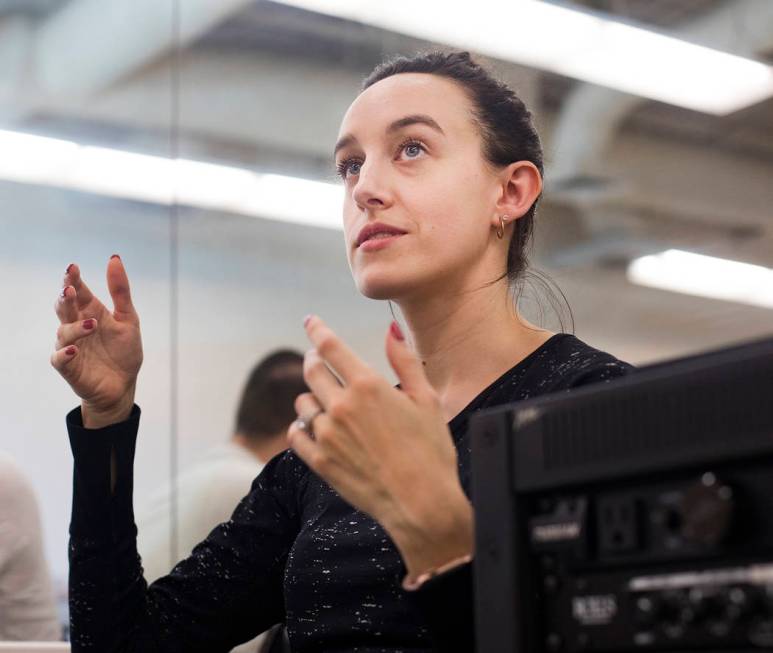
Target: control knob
<point>706,511</point>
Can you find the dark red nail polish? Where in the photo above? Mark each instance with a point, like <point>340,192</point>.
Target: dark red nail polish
<point>70,351</point>
<point>115,256</point>
<point>89,324</point>
<point>69,267</point>
<point>395,330</point>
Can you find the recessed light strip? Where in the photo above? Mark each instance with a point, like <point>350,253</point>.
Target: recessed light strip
<point>574,43</point>
<point>705,276</point>
<point>115,173</point>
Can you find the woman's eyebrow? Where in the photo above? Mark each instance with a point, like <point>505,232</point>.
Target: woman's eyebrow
<point>417,118</point>
<point>397,125</point>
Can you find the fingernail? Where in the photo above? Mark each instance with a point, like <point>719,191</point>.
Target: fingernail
<point>394,329</point>
<point>63,294</point>
<point>307,319</point>
<point>69,267</point>
<point>89,324</point>
<point>70,351</point>
<point>115,256</point>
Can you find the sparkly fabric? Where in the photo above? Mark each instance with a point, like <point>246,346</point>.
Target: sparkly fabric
<point>293,550</point>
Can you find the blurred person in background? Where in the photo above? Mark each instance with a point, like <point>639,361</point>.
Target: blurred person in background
<point>27,607</point>
<point>361,537</point>
<point>208,492</point>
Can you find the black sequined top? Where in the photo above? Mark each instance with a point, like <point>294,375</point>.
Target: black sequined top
<point>293,551</point>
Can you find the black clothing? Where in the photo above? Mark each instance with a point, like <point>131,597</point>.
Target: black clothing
<point>293,551</point>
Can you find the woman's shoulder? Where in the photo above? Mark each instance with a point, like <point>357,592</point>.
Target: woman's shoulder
<point>561,363</point>
<point>566,362</point>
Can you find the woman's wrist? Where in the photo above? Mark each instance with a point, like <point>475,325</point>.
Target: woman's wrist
<point>413,583</point>
<point>96,418</point>
<point>432,531</point>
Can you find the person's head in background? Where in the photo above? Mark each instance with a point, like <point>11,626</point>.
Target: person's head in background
<point>436,148</point>
<point>266,407</point>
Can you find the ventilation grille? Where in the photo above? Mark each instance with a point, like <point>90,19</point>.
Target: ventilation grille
<point>718,407</point>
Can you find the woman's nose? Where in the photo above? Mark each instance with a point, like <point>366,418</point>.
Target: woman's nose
<point>370,190</point>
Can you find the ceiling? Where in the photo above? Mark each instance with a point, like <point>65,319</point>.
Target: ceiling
<point>660,13</point>
<point>29,7</point>
<point>267,26</point>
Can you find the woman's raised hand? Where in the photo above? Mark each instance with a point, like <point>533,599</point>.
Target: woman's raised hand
<point>98,351</point>
<point>386,451</point>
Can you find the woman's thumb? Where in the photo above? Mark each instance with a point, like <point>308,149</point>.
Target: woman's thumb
<point>405,363</point>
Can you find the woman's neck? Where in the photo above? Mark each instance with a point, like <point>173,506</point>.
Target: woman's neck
<point>467,340</point>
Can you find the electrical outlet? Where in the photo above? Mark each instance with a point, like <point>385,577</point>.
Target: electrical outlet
<point>617,524</point>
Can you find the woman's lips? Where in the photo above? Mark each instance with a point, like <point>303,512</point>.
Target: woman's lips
<point>380,242</point>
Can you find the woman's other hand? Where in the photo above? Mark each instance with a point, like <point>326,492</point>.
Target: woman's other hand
<point>386,451</point>
<point>98,351</point>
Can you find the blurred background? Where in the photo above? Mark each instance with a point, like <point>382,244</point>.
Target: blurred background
<point>194,138</point>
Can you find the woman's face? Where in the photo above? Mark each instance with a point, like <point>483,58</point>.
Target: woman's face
<point>420,198</point>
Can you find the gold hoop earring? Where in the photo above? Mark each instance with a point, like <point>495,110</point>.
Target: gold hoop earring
<point>501,228</point>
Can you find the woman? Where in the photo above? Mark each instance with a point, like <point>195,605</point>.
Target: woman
<point>364,529</point>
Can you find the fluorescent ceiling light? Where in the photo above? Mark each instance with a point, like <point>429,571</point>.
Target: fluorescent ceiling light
<point>704,276</point>
<point>573,43</point>
<point>115,173</point>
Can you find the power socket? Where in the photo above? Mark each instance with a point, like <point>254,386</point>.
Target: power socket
<point>618,524</point>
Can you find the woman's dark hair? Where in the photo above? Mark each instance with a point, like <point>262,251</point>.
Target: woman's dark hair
<point>267,404</point>
<point>507,132</point>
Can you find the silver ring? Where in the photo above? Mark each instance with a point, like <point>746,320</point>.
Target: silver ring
<point>306,423</point>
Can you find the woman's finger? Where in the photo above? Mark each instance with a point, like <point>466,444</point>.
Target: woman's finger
<point>68,334</point>
<point>118,285</point>
<point>407,366</point>
<point>308,447</point>
<point>66,305</point>
<point>321,381</point>
<point>62,357</point>
<point>300,442</point>
<point>308,410</point>
<point>72,277</point>
<point>306,403</point>
<point>334,351</point>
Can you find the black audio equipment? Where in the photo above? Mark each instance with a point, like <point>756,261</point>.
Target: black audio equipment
<point>635,515</point>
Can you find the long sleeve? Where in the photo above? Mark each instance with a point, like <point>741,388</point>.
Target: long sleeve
<point>227,591</point>
<point>447,605</point>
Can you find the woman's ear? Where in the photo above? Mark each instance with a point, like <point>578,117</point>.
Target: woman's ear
<point>521,186</point>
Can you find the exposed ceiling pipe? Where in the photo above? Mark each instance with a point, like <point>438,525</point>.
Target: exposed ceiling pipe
<point>592,113</point>
<point>15,37</point>
<point>87,45</point>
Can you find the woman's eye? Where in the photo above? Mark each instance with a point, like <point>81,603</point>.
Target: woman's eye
<point>351,167</point>
<point>412,149</point>
<point>348,168</point>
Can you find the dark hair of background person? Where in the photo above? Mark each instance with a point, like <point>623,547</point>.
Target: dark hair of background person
<point>267,406</point>
<point>508,135</point>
